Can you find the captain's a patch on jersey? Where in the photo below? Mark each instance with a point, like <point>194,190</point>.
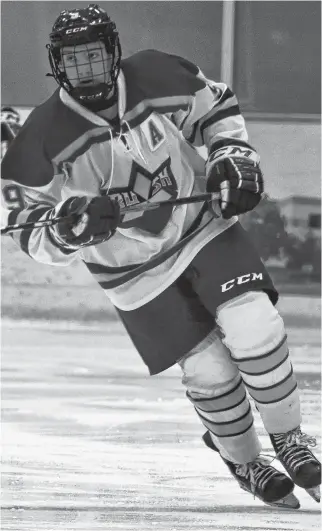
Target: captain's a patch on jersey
<point>154,132</point>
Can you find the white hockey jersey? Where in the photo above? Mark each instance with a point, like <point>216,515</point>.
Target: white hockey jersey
<point>167,109</point>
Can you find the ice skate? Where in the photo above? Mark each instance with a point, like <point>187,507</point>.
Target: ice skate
<point>262,480</point>
<point>303,467</point>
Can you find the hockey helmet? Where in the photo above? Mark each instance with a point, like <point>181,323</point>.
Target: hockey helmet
<point>83,26</point>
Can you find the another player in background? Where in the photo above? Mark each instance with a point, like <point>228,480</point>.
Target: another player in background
<point>186,282</point>
<point>10,126</point>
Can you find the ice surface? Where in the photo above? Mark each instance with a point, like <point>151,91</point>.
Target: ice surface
<point>91,441</point>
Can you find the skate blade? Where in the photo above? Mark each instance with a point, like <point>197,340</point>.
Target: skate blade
<point>315,493</point>
<point>289,502</point>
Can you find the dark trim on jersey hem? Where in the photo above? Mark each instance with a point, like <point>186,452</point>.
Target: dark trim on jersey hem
<point>153,262</point>
<point>98,269</point>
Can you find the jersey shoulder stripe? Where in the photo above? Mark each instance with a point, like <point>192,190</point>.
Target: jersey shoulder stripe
<point>49,128</point>
<point>160,80</point>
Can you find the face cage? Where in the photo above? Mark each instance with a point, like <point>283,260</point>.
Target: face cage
<point>55,57</point>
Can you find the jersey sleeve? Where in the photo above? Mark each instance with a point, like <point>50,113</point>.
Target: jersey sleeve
<point>213,118</point>
<point>39,200</point>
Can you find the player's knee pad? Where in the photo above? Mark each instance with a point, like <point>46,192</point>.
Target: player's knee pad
<point>255,334</point>
<point>250,324</point>
<point>208,369</point>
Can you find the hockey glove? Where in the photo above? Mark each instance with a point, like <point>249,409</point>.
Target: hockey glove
<point>92,221</point>
<point>238,179</point>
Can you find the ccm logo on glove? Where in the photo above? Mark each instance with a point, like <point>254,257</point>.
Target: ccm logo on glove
<point>235,173</point>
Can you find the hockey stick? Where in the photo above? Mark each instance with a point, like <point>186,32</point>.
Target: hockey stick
<point>151,205</point>
<point>140,207</point>
<point>34,224</point>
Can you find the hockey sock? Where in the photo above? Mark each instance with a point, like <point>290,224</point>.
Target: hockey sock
<point>229,419</point>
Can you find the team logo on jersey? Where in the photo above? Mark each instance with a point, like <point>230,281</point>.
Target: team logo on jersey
<point>154,132</point>
<point>146,186</point>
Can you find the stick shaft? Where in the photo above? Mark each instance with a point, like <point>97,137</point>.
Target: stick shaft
<point>140,207</point>
<point>151,205</point>
<point>33,224</point>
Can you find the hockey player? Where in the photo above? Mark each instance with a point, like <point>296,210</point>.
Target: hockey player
<point>186,281</point>
<point>10,126</point>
